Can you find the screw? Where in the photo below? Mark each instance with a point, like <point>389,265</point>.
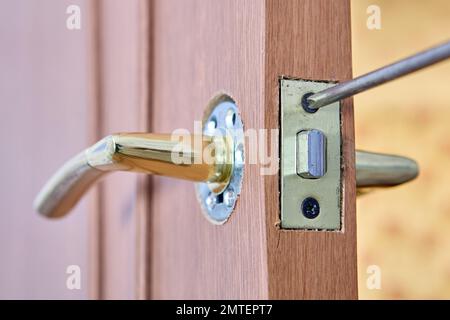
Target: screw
<point>229,197</point>
<point>310,208</point>
<point>230,118</point>
<point>211,125</point>
<point>211,201</point>
<point>305,103</point>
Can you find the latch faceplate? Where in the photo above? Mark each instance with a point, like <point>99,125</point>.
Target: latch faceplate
<point>310,159</point>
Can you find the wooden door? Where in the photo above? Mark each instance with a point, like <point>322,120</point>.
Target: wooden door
<point>61,90</point>
<point>199,48</point>
<point>48,107</point>
<point>154,66</point>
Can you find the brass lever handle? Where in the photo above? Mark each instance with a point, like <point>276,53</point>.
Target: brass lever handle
<point>153,154</point>
<point>138,152</point>
<point>213,159</point>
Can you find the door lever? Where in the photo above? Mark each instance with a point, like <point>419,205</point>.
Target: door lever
<point>137,152</point>
<point>383,170</point>
<point>214,159</point>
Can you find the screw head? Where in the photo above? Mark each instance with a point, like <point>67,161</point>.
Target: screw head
<point>211,201</point>
<point>239,156</point>
<point>211,125</point>
<point>305,103</point>
<point>230,118</point>
<point>229,197</point>
<point>310,208</point>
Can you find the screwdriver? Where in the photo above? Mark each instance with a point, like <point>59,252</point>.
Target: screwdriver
<point>372,79</point>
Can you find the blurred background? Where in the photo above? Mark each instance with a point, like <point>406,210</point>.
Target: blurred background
<point>405,230</point>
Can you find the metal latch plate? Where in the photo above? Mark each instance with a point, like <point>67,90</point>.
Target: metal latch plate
<point>294,188</point>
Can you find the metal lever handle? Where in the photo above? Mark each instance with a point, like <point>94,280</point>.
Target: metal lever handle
<point>137,152</point>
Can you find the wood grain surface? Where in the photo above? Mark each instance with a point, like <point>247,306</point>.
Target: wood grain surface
<point>310,40</point>
<point>201,48</point>
<point>122,72</point>
<point>242,48</point>
<point>47,103</point>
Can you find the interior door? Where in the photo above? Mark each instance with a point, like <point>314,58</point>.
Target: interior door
<point>62,89</point>
<point>153,66</point>
<point>243,48</point>
<point>73,72</point>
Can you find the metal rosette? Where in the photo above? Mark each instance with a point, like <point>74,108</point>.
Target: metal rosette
<point>222,115</point>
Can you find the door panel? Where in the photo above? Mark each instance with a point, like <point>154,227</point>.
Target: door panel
<point>242,48</point>
<point>123,75</point>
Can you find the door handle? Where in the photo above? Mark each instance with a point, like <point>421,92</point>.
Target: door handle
<point>213,159</point>
<point>218,177</point>
<point>153,154</point>
<point>383,170</point>
<point>136,152</point>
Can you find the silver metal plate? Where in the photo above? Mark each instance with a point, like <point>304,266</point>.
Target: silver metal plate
<point>223,114</point>
<point>294,188</point>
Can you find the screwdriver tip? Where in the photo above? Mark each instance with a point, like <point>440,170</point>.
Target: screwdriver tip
<point>313,102</point>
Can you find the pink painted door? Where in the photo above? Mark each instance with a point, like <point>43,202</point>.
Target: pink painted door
<point>61,89</point>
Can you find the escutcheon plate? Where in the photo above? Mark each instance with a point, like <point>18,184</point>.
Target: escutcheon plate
<point>223,116</point>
